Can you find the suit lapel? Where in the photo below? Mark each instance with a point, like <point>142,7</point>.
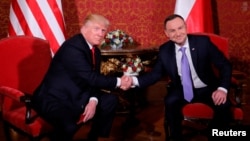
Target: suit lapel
<point>193,50</point>
<point>97,58</point>
<point>172,60</point>
<point>86,49</point>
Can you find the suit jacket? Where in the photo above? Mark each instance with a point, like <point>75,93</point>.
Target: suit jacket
<point>71,79</point>
<point>204,55</point>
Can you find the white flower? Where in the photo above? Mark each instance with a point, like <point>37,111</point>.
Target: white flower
<point>117,41</point>
<point>109,36</point>
<point>136,63</point>
<point>138,69</point>
<point>124,66</point>
<point>130,39</point>
<point>129,70</point>
<point>116,33</point>
<point>138,59</point>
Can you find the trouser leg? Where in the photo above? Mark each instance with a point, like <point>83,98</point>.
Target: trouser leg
<point>105,114</point>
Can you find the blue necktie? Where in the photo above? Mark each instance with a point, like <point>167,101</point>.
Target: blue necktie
<point>186,76</point>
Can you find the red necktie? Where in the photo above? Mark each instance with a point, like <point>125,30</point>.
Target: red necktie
<point>93,55</point>
<point>81,119</point>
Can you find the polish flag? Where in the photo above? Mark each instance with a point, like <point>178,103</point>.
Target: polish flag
<point>39,18</point>
<point>197,14</point>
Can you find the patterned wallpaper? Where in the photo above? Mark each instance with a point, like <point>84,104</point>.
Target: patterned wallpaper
<point>143,20</point>
<point>234,23</point>
<point>4,13</point>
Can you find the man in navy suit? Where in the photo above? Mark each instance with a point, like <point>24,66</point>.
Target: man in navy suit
<point>71,89</point>
<point>207,88</point>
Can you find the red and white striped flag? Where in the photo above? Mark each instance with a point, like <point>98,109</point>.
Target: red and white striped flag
<point>197,14</point>
<point>39,18</point>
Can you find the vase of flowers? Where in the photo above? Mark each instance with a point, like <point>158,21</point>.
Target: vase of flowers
<point>116,39</point>
<point>115,45</point>
<point>132,66</point>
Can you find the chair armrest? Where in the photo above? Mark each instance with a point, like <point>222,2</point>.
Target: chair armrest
<point>11,93</point>
<point>18,96</point>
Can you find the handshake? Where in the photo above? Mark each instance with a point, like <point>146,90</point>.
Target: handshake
<point>126,82</point>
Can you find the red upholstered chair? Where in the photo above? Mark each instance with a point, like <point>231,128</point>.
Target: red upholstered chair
<point>203,111</point>
<point>24,61</point>
<point>198,115</point>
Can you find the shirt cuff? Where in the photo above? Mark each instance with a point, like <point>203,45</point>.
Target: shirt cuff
<point>118,84</point>
<point>223,89</point>
<point>94,99</point>
<point>135,81</point>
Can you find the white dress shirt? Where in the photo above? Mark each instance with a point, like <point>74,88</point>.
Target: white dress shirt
<point>196,80</point>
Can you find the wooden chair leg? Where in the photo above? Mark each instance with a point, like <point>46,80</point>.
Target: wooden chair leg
<point>7,131</point>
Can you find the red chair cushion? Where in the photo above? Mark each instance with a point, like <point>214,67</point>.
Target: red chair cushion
<point>197,110</point>
<point>203,111</point>
<point>17,117</point>
<point>237,113</point>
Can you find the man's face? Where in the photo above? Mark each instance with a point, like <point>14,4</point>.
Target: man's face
<point>94,32</point>
<point>176,31</point>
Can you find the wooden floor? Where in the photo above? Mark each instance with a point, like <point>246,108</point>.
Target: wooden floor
<point>148,127</point>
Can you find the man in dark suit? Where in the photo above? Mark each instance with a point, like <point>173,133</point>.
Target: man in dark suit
<point>72,86</point>
<point>207,88</point>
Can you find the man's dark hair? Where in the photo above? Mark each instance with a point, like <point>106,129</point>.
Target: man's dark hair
<point>171,17</point>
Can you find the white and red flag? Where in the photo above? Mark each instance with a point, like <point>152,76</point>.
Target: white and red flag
<point>39,18</point>
<point>197,14</point>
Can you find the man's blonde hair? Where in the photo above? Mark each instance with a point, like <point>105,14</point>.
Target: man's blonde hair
<point>96,18</point>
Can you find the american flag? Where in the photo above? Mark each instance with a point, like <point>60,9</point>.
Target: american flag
<point>39,18</point>
<point>197,13</point>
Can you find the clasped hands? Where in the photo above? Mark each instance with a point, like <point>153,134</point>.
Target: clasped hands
<point>126,82</point>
